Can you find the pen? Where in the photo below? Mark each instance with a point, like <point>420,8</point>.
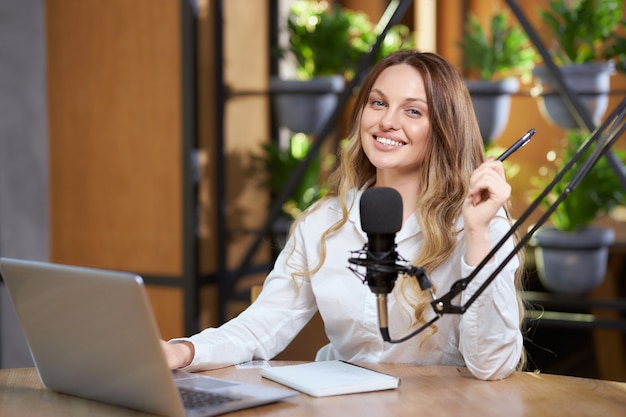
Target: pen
<point>517,145</point>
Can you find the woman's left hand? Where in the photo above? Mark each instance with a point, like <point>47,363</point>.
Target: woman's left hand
<point>488,191</point>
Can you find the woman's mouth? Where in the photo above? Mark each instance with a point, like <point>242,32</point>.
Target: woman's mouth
<point>388,142</point>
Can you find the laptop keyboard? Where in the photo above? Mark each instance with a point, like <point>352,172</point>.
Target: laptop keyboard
<point>193,399</point>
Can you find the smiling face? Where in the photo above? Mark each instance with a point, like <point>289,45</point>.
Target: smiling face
<point>395,123</point>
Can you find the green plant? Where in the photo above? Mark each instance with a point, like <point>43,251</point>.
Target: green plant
<point>275,168</point>
<point>584,31</point>
<point>398,37</point>
<point>328,40</point>
<point>506,51</point>
<point>597,194</point>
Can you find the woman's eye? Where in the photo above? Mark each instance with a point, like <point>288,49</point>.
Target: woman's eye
<point>414,112</point>
<point>376,103</point>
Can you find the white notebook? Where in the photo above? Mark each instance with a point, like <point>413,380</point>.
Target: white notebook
<point>321,379</point>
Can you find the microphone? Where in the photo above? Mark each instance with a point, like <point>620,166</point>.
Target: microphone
<point>381,219</point>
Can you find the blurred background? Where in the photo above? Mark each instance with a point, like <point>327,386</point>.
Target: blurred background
<point>147,136</point>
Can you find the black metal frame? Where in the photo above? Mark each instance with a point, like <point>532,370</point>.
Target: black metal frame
<point>189,279</point>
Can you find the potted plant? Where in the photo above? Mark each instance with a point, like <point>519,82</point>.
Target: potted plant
<point>274,168</point>
<point>326,43</point>
<point>493,65</point>
<point>571,253</point>
<point>584,43</point>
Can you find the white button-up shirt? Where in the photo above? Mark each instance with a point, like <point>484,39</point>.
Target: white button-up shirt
<point>486,338</point>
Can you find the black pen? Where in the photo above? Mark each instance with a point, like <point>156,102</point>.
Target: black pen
<point>517,145</point>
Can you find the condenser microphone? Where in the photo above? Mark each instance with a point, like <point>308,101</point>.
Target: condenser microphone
<point>381,219</point>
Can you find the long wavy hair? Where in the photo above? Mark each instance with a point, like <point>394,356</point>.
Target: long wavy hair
<point>455,151</point>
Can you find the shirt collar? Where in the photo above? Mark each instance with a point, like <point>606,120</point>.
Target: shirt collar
<point>410,227</point>
<point>354,216</point>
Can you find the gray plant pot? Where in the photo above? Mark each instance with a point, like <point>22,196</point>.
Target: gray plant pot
<point>572,263</point>
<point>492,105</point>
<point>591,82</point>
<point>304,106</point>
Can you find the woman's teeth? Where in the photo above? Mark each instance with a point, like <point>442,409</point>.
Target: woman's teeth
<point>389,142</point>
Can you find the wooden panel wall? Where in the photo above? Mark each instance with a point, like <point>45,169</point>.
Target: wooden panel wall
<point>246,128</point>
<point>115,133</point>
<point>115,139</point>
<point>246,120</point>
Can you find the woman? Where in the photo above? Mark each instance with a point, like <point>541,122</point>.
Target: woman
<point>413,129</point>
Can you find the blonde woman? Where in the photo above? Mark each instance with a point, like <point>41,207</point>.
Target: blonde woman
<point>414,130</point>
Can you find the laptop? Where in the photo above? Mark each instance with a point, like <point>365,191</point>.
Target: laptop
<point>92,334</point>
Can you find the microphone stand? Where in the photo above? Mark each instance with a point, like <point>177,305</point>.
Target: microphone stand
<point>615,126</point>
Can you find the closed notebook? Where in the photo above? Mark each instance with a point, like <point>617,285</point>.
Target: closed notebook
<point>326,378</point>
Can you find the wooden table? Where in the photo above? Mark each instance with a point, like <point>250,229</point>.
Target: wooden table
<point>424,391</point>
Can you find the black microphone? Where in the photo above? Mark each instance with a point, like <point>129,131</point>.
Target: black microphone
<point>381,219</point>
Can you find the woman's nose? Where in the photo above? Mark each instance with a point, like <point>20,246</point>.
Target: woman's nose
<point>389,121</point>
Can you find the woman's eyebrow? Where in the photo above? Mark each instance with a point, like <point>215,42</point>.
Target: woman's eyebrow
<point>408,99</point>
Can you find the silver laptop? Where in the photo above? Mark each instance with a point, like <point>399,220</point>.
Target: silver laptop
<point>92,334</point>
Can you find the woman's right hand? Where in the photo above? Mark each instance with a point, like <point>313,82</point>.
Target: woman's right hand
<point>178,354</point>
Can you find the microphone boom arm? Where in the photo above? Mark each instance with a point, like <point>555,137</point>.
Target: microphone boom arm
<point>614,124</point>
